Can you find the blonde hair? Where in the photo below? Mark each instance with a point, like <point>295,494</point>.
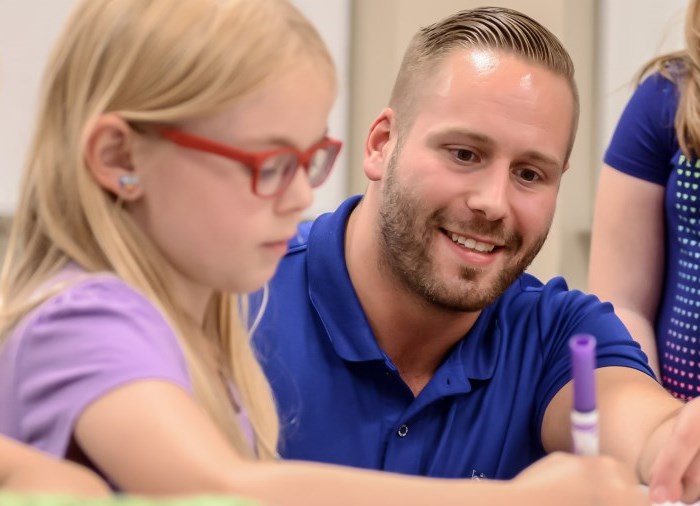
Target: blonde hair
<point>149,61</point>
<point>683,68</point>
<point>492,28</point>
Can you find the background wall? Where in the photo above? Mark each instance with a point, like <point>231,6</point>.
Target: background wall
<point>608,40</point>
<point>26,29</point>
<point>631,32</point>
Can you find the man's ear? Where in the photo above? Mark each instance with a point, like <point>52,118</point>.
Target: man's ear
<point>378,146</point>
<point>108,155</point>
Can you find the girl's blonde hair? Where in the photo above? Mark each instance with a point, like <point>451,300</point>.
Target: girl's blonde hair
<point>149,61</point>
<point>683,67</point>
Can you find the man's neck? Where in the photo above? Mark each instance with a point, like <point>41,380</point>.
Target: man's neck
<point>414,334</point>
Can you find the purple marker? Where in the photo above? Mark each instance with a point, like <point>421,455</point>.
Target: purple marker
<point>584,416</point>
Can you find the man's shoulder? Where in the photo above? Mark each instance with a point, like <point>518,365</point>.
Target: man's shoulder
<point>531,293</point>
<point>529,284</point>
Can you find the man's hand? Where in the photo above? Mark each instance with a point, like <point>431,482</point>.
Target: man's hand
<point>562,478</point>
<point>670,462</point>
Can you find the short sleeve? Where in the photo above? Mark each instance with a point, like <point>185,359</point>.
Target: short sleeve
<point>92,338</point>
<point>644,141</point>
<point>568,313</point>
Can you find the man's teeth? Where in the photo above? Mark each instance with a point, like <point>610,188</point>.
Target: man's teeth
<point>472,244</point>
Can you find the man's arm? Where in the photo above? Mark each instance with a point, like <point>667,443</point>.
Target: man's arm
<point>641,425</point>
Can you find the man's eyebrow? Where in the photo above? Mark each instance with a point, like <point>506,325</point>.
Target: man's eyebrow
<point>544,158</point>
<point>464,132</point>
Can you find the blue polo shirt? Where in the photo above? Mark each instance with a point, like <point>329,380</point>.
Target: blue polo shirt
<point>341,399</point>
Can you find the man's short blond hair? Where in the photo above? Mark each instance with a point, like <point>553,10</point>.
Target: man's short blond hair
<point>490,28</point>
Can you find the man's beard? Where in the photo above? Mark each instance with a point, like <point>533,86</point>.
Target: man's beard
<point>406,234</point>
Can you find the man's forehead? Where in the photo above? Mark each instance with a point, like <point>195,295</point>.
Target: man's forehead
<point>482,63</point>
<point>472,72</point>
<point>467,77</point>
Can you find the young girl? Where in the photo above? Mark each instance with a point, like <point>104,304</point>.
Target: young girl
<point>176,148</point>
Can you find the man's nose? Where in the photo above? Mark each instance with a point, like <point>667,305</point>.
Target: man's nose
<point>488,191</point>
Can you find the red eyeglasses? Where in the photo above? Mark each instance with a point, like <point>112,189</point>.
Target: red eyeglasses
<point>272,170</point>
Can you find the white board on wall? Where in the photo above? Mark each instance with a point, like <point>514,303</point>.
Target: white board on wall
<point>332,18</point>
<point>631,33</point>
<point>27,28</point>
<point>27,31</point>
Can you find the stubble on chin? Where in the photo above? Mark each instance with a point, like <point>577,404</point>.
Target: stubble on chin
<point>407,234</point>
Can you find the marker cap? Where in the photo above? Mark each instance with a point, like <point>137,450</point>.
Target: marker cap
<point>583,355</point>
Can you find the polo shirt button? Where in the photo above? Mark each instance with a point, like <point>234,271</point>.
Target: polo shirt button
<point>403,430</point>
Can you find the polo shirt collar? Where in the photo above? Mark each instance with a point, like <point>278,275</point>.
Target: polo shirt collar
<point>477,353</point>
<point>331,290</point>
<point>336,302</point>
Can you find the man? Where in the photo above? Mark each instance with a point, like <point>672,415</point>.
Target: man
<point>400,331</point>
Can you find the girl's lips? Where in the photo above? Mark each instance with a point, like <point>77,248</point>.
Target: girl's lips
<point>279,247</point>
<point>280,241</point>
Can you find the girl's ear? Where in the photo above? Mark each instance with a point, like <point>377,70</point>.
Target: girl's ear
<point>378,146</point>
<point>109,154</point>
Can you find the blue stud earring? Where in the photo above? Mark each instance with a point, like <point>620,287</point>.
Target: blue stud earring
<point>128,182</point>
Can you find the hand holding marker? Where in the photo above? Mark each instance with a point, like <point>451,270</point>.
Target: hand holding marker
<point>584,416</point>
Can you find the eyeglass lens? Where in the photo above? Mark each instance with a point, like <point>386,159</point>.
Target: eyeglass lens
<point>278,170</point>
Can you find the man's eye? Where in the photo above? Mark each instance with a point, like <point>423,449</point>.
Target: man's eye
<point>465,155</point>
<point>529,175</point>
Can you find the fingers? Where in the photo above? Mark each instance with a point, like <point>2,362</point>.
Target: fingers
<point>691,482</point>
<point>675,473</point>
<point>666,476</point>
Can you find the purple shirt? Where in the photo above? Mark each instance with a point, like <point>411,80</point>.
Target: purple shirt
<point>96,335</point>
<point>92,337</point>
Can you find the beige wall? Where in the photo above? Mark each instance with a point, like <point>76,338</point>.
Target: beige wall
<point>381,31</point>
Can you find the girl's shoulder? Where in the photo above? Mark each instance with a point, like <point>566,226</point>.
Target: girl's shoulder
<point>75,293</point>
<point>97,314</point>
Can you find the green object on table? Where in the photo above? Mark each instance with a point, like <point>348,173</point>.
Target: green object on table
<point>14,499</point>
